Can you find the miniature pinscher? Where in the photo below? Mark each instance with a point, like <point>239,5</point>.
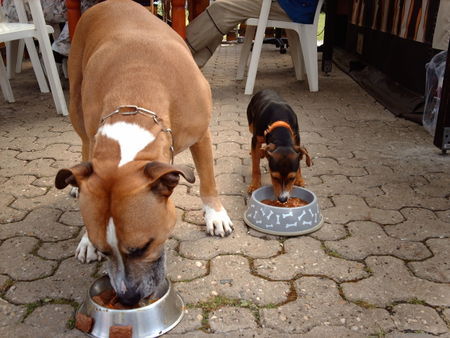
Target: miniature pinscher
<point>272,121</point>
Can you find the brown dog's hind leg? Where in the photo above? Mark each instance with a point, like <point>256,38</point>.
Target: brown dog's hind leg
<point>216,217</point>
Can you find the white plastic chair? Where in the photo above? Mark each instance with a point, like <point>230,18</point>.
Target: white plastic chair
<point>11,31</point>
<point>302,41</point>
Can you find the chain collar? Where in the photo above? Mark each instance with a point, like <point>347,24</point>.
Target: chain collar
<point>128,110</point>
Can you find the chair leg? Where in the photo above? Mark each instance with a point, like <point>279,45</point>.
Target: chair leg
<point>295,50</point>
<point>53,76</point>
<point>245,51</point>
<point>20,50</point>
<point>4,83</point>
<point>31,48</point>
<point>11,57</point>
<point>309,49</point>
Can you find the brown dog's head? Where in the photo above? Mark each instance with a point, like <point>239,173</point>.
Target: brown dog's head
<point>284,163</point>
<point>128,217</point>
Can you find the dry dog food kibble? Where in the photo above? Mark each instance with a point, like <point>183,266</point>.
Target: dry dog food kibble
<point>292,202</point>
<point>120,332</point>
<point>84,323</point>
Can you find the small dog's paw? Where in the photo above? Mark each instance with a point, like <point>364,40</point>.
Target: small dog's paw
<point>74,192</point>
<point>252,187</point>
<point>217,222</point>
<point>86,252</point>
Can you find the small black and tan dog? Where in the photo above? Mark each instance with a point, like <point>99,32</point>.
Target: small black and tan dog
<point>273,122</point>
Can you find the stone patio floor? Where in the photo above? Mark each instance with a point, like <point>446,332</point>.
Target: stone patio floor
<point>379,266</point>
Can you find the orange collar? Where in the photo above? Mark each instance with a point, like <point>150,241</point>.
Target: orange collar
<point>278,124</point>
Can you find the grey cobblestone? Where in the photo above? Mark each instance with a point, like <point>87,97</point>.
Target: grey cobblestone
<point>377,267</point>
<point>367,238</point>
<point>418,318</point>
<point>436,268</point>
<point>391,282</point>
<point>304,256</point>
<point>230,277</point>
<point>24,266</point>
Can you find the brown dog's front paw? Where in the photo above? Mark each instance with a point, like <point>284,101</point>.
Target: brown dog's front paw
<point>300,182</point>
<point>252,187</point>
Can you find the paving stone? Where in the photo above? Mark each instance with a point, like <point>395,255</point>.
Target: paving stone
<point>402,195</point>
<point>184,231</point>
<point>71,218</point>
<point>192,320</point>
<point>420,224</point>
<point>70,281</point>
<point>353,208</point>
<point>55,198</point>
<point>231,184</point>
<point>230,277</point>
<point>180,268</point>
<point>45,181</point>
<point>418,318</point>
<point>330,232</point>
<point>59,250</point>
<point>236,243</point>
<point>10,313</point>
<point>443,215</point>
<point>20,186</point>
<point>51,318</point>
<point>38,168</point>
<point>329,166</point>
<point>332,331</point>
<point>228,149</point>
<point>23,266</point>
<point>319,303</point>
<point>343,186</point>
<point>9,160</point>
<point>305,256</point>
<point>446,314</point>
<point>397,334</point>
<point>231,319</point>
<point>436,268</point>
<point>368,238</point>
<point>7,213</point>
<point>226,165</point>
<point>391,282</point>
<point>182,199</point>
<point>41,223</point>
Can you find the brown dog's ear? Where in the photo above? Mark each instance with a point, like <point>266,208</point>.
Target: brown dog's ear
<point>64,177</point>
<point>165,177</point>
<point>304,151</point>
<point>267,150</point>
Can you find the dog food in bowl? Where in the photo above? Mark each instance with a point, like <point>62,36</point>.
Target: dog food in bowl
<point>292,202</point>
<point>109,299</point>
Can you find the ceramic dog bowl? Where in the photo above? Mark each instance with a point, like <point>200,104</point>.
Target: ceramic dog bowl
<point>283,221</point>
<point>152,320</point>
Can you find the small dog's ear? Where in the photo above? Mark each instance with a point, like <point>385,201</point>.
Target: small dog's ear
<point>304,151</point>
<point>267,150</point>
<point>71,176</point>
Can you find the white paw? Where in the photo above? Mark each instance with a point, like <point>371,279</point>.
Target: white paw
<point>74,192</point>
<point>86,252</point>
<point>217,222</point>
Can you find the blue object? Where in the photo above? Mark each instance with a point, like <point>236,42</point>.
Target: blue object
<point>300,11</point>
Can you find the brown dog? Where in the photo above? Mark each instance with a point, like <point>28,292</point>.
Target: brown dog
<point>273,122</point>
<point>122,55</point>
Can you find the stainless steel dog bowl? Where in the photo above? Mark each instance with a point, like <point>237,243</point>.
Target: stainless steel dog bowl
<point>283,221</point>
<point>152,320</point>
